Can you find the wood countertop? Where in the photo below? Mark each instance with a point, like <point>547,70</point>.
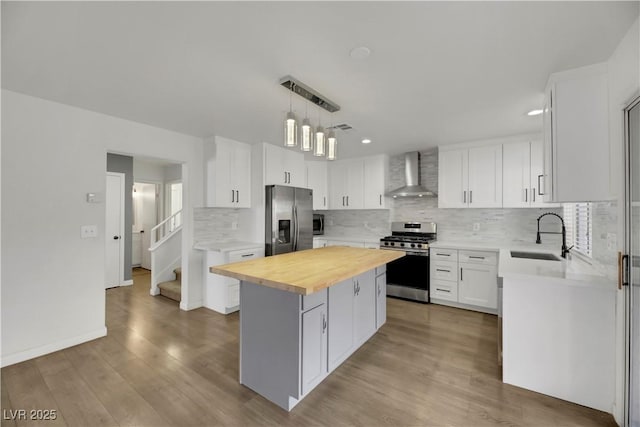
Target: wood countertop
<point>306,272</point>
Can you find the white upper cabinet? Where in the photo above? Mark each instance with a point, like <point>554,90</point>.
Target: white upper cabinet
<point>376,173</point>
<point>283,166</point>
<point>453,169</point>
<point>576,136</point>
<point>228,169</point>
<point>485,177</point>
<point>517,190</point>
<point>523,175</point>
<point>346,184</point>
<point>317,181</point>
<point>470,177</point>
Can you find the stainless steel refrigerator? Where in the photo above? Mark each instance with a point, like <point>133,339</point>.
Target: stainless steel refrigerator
<point>289,219</point>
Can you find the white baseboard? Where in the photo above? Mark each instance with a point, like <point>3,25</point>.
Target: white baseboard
<point>127,282</point>
<point>21,356</point>
<point>186,307</point>
<point>154,291</point>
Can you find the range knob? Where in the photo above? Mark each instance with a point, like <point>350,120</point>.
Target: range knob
<point>386,243</point>
<point>413,245</point>
<point>393,244</point>
<point>419,245</point>
<point>402,244</point>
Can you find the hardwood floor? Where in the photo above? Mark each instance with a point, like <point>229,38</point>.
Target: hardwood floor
<point>429,365</point>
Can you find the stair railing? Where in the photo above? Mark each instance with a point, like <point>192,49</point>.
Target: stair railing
<point>166,229</point>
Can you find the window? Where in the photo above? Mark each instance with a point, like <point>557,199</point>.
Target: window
<point>578,219</point>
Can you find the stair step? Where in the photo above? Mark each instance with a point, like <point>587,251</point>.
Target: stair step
<point>172,289</point>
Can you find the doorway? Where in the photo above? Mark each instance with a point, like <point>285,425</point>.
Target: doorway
<point>114,230</point>
<point>145,216</point>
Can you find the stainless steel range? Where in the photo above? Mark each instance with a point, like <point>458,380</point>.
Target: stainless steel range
<point>408,277</point>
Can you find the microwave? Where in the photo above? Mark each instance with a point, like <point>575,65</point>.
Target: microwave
<point>318,224</point>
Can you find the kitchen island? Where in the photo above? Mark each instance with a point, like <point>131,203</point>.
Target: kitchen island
<point>304,313</point>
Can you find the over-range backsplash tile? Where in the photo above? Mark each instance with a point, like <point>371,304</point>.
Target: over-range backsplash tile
<point>360,223</point>
<point>215,224</point>
<point>517,226</point>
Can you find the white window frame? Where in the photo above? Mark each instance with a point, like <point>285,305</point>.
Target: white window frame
<point>578,219</point>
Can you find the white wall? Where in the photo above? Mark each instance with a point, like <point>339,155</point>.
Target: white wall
<point>144,171</point>
<point>624,83</point>
<point>52,280</point>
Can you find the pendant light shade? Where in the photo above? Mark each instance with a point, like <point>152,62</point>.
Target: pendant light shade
<point>307,136</point>
<point>290,130</point>
<point>332,146</point>
<point>319,147</point>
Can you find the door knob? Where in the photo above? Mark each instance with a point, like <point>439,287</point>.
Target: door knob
<point>116,237</point>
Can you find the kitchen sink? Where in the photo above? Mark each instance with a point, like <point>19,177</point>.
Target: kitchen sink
<point>534,255</point>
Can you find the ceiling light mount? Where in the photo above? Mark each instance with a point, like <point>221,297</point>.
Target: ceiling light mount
<point>309,94</point>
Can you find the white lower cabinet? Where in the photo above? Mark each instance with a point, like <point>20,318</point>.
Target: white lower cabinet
<point>478,285</point>
<point>352,316</point>
<point>466,279</point>
<point>381,298</point>
<point>319,243</point>
<point>221,293</point>
<point>314,347</point>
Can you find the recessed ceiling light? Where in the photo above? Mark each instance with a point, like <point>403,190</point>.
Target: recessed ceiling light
<point>366,141</point>
<point>361,52</point>
<point>534,113</point>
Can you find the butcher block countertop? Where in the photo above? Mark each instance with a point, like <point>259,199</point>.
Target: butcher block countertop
<point>306,272</point>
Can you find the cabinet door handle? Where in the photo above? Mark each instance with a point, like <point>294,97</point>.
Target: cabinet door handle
<point>470,196</point>
<point>540,186</point>
<point>285,177</point>
<point>379,289</point>
<point>440,269</point>
<point>342,200</point>
<point>460,273</point>
<point>533,194</point>
<point>381,200</point>
<point>354,289</point>
<point>237,196</point>
<point>324,322</point>
<point>476,257</point>
<point>443,254</point>
<point>443,290</point>
<point>247,255</point>
<point>347,200</point>
<point>324,200</point>
<point>233,196</point>
<point>526,191</point>
<point>464,196</point>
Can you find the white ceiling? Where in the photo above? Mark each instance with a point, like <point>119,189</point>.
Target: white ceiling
<point>439,72</point>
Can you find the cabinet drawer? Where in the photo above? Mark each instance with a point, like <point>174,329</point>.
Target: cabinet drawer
<point>444,290</point>
<point>244,255</point>
<point>477,257</point>
<point>444,270</point>
<point>381,270</point>
<point>443,254</point>
<point>313,300</point>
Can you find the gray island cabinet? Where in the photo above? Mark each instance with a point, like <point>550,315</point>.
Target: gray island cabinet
<point>292,338</point>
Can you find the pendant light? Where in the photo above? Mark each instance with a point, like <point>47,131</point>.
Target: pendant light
<point>332,145</point>
<point>290,128</point>
<point>306,143</point>
<point>319,147</point>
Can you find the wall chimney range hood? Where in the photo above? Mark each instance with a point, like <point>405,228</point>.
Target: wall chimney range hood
<point>412,187</point>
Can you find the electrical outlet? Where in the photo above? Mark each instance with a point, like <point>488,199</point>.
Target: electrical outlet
<point>476,226</point>
<point>89,231</point>
<point>234,225</point>
<point>612,241</point>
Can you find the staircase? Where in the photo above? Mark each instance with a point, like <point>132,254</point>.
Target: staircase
<point>173,288</point>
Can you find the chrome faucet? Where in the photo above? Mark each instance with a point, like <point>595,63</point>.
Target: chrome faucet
<point>564,250</point>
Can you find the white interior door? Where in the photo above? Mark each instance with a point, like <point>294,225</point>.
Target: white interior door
<point>632,292</point>
<point>114,230</point>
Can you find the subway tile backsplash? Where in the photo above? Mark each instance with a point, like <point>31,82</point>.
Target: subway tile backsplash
<point>215,224</point>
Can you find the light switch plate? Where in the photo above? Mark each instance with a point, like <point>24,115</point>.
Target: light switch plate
<point>89,231</point>
<point>476,226</point>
